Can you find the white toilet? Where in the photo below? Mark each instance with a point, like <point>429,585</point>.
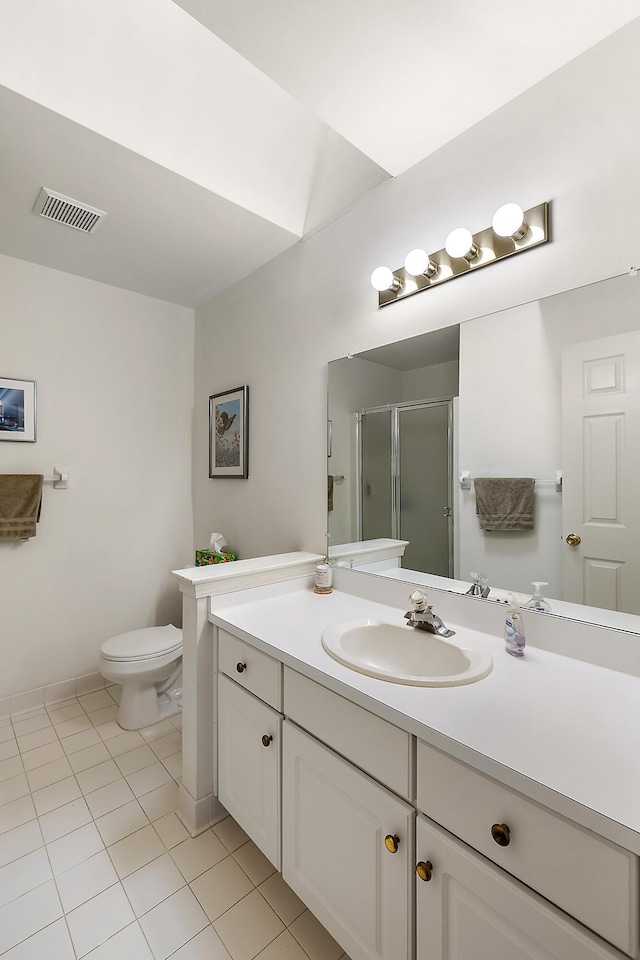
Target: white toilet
<point>148,664</point>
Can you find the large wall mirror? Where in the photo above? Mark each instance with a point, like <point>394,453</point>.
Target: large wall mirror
<point>547,387</point>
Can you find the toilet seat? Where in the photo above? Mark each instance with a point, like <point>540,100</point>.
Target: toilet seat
<point>145,644</point>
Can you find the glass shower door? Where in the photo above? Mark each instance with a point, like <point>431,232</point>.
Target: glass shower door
<point>376,474</point>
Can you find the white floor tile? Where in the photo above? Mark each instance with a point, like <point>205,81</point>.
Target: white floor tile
<point>314,939</point>
<point>152,884</point>
<point>166,746</point>
<point>28,914</point>
<point>56,795</point>
<point>148,779</point>
<point>13,767</point>
<point>161,801</point>
<point>221,887</point>
<point>122,822</point>
<point>9,748</point>
<point>38,739</point>
<point>284,947</point>
<point>74,847</point>
<point>110,730</point>
<point>23,875</point>
<point>89,757</point>
<point>173,922</point>
<point>104,715</point>
<point>52,943</point>
<point>30,725</point>
<point>6,731</point>
<point>49,773</point>
<point>19,842</point>
<point>100,918</point>
<point>136,759</point>
<point>253,862</point>
<point>16,812</point>
<point>129,944</point>
<point>174,765</point>
<point>46,754</point>
<point>282,899</point>
<point>231,833</point>
<point>122,743</point>
<point>248,927</point>
<point>157,730</point>
<point>207,945</point>
<point>109,798</point>
<point>13,789</point>
<point>197,854</point>
<point>77,724</point>
<point>171,829</point>
<point>133,852</point>
<point>86,880</point>
<point>95,701</point>
<point>80,741</point>
<point>65,819</point>
<point>60,712</point>
<point>176,721</point>
<point>98,776</point>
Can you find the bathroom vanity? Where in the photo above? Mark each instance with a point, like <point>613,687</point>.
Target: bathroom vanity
<point>490,821</point>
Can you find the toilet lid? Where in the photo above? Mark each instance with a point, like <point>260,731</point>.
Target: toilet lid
<point>143,644</point>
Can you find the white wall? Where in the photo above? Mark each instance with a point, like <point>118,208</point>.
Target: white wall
<point>114,374</point>
<point>437,382</point>
<point>572,139</point>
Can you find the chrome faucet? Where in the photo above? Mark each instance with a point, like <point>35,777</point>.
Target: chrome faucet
<point>479,586</point>
<point>422,616</point>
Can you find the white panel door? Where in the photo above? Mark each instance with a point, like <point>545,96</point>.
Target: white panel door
<point>249,762</point>
<point>472,910</point>
<point>601,471</point>
<point>335,821</point>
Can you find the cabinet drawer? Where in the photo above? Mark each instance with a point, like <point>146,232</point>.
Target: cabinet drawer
<point>252,669</point>
<point>374,745</point>
<point>591,878</point>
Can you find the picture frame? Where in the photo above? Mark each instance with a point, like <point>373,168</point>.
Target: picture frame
<point>229,433</point>
<point>17,410</point>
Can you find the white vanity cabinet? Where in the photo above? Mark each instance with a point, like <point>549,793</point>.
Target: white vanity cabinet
<point>249,745</point>
<point>468,909</point>
<point>348,850</point>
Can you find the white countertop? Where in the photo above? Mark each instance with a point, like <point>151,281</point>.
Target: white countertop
<point>561,731</point>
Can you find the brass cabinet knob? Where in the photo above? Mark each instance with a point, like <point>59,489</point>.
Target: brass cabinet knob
<point>424,870</point>
<point>501,834</point>
<point>266,740</point>
<point>574,539</point>
<point>392,842</point>
<point>241,667</point>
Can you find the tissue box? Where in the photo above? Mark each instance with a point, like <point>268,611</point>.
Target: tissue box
<point>205,557</point>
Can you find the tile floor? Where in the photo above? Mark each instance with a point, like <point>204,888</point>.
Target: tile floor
<point>95,863</point>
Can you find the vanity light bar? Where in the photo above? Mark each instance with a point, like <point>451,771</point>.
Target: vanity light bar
<point>481,249</point>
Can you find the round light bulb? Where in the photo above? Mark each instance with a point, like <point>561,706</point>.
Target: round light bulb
<point>383,279</point>
<point>508,221</point>
<point>459,244</point>
<point>416,262</point>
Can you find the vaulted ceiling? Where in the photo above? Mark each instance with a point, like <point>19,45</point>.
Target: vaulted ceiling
<point>216,134</point>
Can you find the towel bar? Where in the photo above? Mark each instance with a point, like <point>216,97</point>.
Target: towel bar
<point>465,480</point>
<point>60,478</point>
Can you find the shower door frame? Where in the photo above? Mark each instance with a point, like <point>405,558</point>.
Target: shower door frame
<point>394,409</point>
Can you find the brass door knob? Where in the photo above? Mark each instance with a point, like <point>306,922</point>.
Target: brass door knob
<point>266,740</point>
<point>424,870</point>
<point>574,539</point>
<point>392,842</point>
<point>501,834</point>
<point>241,667</point>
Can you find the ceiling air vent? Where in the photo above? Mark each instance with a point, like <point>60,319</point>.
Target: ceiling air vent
<point>54,206</point>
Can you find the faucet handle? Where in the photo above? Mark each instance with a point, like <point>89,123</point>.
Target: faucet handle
<point>419,600</point>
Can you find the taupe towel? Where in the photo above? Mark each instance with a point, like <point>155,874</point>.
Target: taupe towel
<point>504,503</point>
<point>20,502</point>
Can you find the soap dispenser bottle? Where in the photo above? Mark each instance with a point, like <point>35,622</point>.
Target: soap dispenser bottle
<point>514,629</point>
<point>537,601</point>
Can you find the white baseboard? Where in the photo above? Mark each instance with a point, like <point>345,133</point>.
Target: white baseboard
<point>51,693</point>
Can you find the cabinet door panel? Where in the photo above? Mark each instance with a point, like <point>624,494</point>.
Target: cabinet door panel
<point>472,910</point>
<point>334,823</point>
<point>249,771</point>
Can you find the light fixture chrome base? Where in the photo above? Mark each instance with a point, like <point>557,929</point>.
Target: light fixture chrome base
<point>491,247</point>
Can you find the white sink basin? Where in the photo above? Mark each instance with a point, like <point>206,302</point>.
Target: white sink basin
<point>401,654</point>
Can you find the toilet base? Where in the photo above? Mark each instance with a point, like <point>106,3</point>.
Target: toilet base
<point>141,705</point>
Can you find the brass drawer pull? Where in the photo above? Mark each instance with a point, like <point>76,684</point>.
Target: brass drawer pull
<point>266,740</point>
<point>392,842</point>
<point>424,870</point>
<point>241,667</point>
<point>501,834</point>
